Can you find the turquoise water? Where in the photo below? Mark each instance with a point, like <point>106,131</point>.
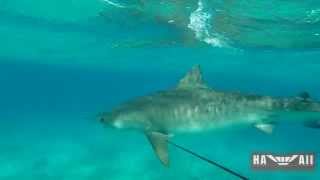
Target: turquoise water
<point>62,62</point>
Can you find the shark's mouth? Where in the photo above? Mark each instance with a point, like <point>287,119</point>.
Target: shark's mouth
<point>118,124</point>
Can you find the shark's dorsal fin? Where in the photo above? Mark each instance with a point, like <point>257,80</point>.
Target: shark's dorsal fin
<point>160,146</point>
<point>193,79</point>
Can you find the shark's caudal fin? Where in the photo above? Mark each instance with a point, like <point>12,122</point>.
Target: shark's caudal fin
<point>193,79</point>
<point>160,146</point>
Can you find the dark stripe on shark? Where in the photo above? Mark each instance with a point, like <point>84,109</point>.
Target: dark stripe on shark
<point>209,161</point>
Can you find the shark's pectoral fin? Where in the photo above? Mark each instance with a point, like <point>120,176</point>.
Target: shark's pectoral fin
<point>265,127</point>
<point>160,146</point>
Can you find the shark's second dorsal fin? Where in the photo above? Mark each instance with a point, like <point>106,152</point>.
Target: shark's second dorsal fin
<point>193,79</point>
<point>304,96</point>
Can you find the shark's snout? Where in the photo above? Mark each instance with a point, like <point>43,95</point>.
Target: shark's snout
<point>122,117</point>
<point>105,118</point>
<point>111,119</point>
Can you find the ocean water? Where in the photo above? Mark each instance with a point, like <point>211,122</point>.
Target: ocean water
<point>63,62</point>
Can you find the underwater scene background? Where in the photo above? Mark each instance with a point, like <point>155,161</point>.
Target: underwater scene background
<point>63,62</point>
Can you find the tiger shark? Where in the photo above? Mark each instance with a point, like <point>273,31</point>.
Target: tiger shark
<point>192,106</point>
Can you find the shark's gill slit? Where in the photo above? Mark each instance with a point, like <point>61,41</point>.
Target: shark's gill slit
<point>209,161</point>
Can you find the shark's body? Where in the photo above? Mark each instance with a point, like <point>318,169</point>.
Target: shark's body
<point>193,106</point>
